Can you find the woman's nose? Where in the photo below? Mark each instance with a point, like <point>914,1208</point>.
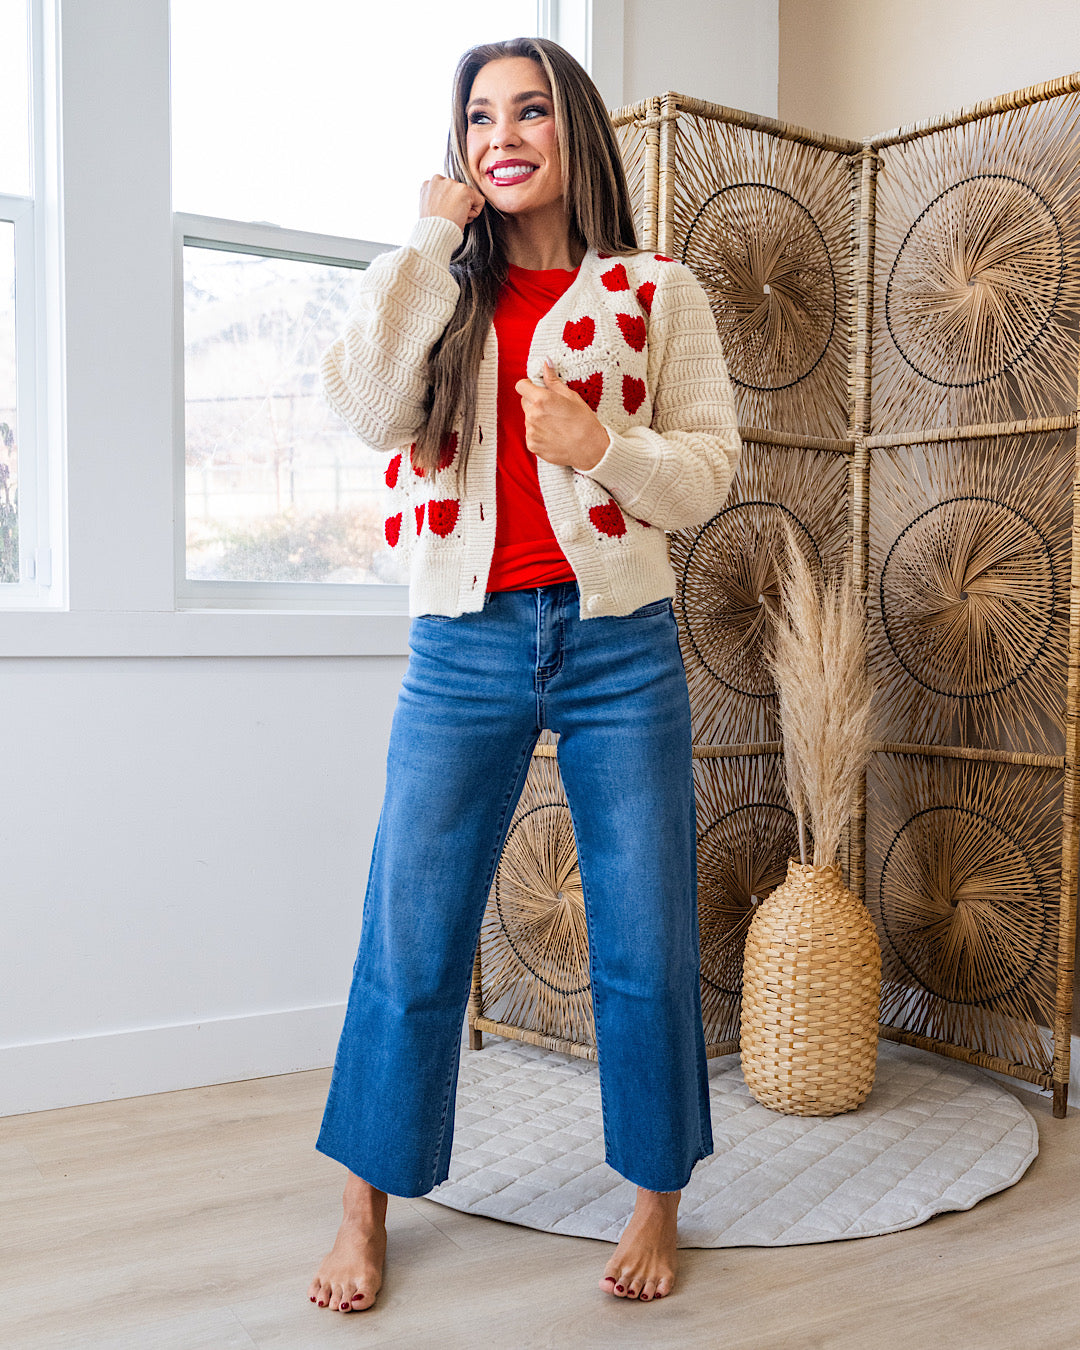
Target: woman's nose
<point>505,133</point>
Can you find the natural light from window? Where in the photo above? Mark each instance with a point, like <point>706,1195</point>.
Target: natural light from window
<point>278,487</point>
<point>327,123</point>
<point>325,116</point>
<point>14,182</point>
<point>14,100</point>
<point>9,516</point>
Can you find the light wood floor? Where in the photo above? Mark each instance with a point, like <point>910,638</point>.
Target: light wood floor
<point>193,1221</point>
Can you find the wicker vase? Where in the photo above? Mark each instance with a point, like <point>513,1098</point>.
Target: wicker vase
<point>811,988</point>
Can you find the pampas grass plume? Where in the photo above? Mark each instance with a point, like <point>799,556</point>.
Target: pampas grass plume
<point>818,664</point>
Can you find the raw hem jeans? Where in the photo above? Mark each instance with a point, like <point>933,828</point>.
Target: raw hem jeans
<point>478,690</point>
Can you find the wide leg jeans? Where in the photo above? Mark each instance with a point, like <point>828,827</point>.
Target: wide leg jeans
<point>478,690</point>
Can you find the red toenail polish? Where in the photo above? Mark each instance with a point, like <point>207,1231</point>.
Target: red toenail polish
<point>619,1289</point>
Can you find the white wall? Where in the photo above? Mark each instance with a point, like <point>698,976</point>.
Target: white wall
<point>190,799</point>
<point>860,67</point>
<point>724,51</point>
<point>184,845</point>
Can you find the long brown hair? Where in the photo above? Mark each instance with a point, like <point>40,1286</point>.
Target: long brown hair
<point>598,207</point>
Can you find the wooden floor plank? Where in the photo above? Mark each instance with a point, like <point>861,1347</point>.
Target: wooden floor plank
<point>193,1221</point>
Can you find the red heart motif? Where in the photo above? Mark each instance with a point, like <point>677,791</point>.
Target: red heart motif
<point>645,293</point>
<point>442,516</point>
<point>633,393</point>
<point>579,335</point>
<point>662,257</point>
<point>419,517</point>
<point>632,327</point>
<point>392,471</point>
<point>608,519</point>
<point>603,255</point>
<point>590,389</point>
<point>392,529</point>
<point>448,450</point>
<point>412,460</point>
<point>615,278</point>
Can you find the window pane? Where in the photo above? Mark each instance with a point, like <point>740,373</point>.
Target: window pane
<point>325,116</point>
<point>9,521</point>
<point>278,488</point>
<point>14,100</point>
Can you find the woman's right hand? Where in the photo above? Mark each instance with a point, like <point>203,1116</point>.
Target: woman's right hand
<point>459,202</point>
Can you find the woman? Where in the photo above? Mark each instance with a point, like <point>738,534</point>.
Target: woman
<point>555,399</point>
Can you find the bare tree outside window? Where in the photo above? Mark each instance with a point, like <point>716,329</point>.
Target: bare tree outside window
<point>309,122</point>
<point>278,488</point>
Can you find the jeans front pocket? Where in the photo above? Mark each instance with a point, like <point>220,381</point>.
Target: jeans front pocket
<point>647,611</point>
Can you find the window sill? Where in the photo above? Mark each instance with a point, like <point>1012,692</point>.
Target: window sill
<point>97,633</point>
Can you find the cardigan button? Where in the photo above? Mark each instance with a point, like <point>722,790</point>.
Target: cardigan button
<point>593,603</point>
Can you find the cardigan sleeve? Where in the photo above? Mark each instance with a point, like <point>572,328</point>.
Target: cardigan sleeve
<point>676,472</point>
<point>375,374</point>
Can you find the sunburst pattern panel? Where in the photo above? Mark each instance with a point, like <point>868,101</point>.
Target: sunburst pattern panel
<point>746,833</point>
<point>766,225</point>
<point>964,872</point>
<point>534,947</point>
<point>977,271</point>
<point>969,590</point>
<point>728,592</point>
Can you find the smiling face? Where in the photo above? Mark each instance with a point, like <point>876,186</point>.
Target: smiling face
<point>512,146</point>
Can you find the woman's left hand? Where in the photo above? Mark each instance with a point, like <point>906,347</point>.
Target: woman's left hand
<point>559,425</point>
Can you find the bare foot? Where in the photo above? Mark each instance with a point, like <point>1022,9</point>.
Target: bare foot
<point>351,1276</point>
<point>645,1260</point>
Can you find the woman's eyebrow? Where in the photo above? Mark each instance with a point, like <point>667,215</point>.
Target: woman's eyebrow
<point>518,98</point>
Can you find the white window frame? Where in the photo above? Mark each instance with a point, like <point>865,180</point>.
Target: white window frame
<point>593,31</point>
<point>38,423</point>
<point>105,262</point>
<point>275,242</point>
<point>571,23</point>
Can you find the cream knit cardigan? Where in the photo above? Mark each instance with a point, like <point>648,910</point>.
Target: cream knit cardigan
<point>633,335</point>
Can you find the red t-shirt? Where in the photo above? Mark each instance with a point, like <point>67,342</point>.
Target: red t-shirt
<point>526,551</point>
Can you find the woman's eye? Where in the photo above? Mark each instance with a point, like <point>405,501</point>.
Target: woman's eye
<point>478,118</point>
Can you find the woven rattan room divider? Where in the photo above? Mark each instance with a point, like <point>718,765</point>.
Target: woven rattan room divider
<point>900,318</point>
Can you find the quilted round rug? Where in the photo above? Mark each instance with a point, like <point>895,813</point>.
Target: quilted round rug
<point>933,1136</point>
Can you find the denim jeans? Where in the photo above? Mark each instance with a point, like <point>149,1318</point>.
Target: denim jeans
<point>478,690</point>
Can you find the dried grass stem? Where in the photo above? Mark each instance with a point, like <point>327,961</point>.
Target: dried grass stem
<point>818,663</point>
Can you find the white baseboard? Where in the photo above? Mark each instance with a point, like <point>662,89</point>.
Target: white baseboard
<point>48,1074</point>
